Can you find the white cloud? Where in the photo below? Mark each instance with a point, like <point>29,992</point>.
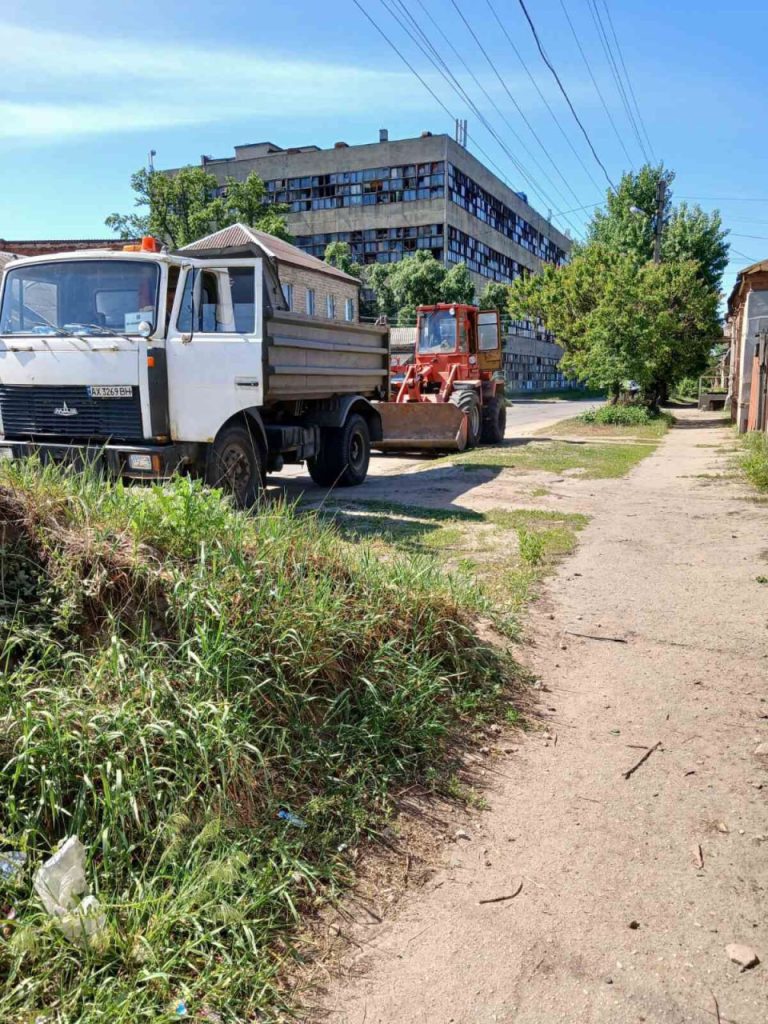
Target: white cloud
<point>57,85</point>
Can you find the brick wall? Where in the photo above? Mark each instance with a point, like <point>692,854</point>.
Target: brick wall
<point>323,285</point>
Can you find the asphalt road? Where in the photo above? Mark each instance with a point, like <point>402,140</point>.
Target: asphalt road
<point>527,415</point>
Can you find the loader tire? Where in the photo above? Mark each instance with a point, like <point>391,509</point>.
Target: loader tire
<point>344,455</point>
<point>494,420</point>
<point>469,402</point>
<point>235,464</point>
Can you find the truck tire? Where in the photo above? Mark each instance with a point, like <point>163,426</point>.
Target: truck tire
<point>469,402</point>
<point>344,455</point>
<point>235,464</point>
<point>494,420</point>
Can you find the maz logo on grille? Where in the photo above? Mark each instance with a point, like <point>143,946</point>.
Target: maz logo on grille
<point>64,410</point>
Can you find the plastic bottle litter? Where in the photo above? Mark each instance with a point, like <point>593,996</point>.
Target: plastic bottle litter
<point>12,864</point>
<point>292,819</point>
<point>181,1009</point>
<point>63,890</point>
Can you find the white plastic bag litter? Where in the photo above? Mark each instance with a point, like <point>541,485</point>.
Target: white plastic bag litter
<point>63,890</point>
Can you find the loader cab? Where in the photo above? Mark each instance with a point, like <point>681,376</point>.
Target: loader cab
<point>451,333</point>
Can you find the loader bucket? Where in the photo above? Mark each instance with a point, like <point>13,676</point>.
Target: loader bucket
<point>417,426</point>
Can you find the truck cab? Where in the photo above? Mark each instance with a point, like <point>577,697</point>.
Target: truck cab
<point>153,362</point>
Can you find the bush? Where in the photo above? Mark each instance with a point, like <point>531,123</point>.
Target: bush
<point>688,388</point>
<point>176,673</point>
<point>754,461</point>
<point>623,416</point>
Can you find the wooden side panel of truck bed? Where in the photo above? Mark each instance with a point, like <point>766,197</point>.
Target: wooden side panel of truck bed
<point>308,359</point>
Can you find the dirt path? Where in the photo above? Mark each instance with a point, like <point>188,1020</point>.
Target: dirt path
<point>669,563</point>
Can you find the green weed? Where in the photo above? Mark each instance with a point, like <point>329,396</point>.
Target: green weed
<point>754,459</point>
<point>174,674</point>
<point>594,460</point>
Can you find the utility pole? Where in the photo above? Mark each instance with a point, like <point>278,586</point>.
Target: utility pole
<point>658,227</point>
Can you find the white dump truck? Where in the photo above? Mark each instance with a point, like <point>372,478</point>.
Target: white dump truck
<point>153,363</point>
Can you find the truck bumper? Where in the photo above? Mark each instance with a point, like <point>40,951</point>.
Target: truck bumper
<point>133,462</point>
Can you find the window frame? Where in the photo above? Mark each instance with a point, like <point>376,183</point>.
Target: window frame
<point>221,271</point>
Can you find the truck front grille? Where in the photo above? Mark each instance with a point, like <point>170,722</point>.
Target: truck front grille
<point>68,411</point>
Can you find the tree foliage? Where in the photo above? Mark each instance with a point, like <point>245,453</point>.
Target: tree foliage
<point>618,315</point>
<point>339,255</point>
<point>619,319</point>
<point>417,280</point>
<point>627,225</point>
<point>180,208</point>
<point>495,295</point>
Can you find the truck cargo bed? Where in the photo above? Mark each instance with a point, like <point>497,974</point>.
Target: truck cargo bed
<point>304,359</point>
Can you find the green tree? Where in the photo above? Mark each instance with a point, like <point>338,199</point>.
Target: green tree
<point>180,208</point>
<point>626,225</point>
<point>495,295</point>
<point>339,255</point>
<point>417,280</point>
<point>458,285</point>
<point>618,318</point>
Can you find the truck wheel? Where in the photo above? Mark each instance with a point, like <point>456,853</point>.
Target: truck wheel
<point>344,455</point>
<point>235,465</point>
<point>494,420</point>
<point>469,403</point>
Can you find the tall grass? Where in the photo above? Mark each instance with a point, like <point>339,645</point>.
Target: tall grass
<point>754,459</point>
<point>174,674</point>
<point>625,416</point>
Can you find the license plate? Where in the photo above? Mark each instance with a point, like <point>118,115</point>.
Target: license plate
<point>110,391</point>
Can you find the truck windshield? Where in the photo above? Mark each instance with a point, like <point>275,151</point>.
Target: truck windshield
<point>437,332</point>
<point>80,297</point>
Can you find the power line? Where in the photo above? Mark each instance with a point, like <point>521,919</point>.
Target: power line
<point>512,98</point>
<point>614,69</point>
<point>744,256</point>
<point>450,78</point>
<point>629,80</point>
<point>452,116</point>
<point>544,99</point>
<point>758,238</point>
<point>565,94</point>
<point>457,87</point>
<point>594,82</point>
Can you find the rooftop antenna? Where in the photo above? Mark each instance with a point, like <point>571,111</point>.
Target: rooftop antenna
<point>461,131</point>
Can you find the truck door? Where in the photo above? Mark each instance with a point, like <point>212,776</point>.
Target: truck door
<point>214,346</point>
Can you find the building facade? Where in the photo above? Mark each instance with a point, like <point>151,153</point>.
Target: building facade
<point>390,199</point>
<point>747,329</point>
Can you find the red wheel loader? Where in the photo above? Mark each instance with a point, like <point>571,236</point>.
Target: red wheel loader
<point>451,396</point>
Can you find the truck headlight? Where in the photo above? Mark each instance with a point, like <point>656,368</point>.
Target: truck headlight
<point>142,463</point>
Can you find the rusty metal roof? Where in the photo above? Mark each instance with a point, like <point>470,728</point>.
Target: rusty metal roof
<point>240,236</point>
<point>753,268</point>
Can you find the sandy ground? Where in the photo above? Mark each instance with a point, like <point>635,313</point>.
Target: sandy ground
<point>524,418</point>
<point>616,920</point>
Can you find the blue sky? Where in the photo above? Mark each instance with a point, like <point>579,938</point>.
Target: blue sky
<point>87,88</point>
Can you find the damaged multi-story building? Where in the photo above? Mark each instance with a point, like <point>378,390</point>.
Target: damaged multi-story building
<point>391,198</point>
